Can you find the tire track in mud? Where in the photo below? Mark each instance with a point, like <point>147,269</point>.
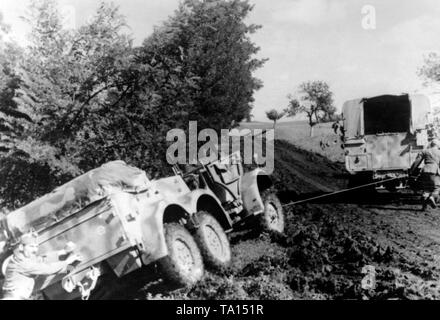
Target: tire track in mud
<point>414,237</point>
<point>304,172</point>
<point>389,221</point>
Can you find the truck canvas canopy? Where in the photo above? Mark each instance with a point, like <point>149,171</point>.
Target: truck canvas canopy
<point>77,194</point>
<point>386,114</point>
<point>352,112</point>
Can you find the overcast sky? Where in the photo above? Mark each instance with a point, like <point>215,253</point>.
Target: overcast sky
<point>306,40</point>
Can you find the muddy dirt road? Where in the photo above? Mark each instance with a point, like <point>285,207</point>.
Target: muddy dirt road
<point>331,248</point>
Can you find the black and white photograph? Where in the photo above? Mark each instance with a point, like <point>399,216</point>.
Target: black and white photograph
<point>219,151</point>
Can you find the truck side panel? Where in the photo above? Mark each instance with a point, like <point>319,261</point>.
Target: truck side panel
<point>98,225</point>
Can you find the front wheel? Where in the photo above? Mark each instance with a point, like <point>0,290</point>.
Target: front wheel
<point>213,242</point>
<point>184,265</point>
<point>272,219</point>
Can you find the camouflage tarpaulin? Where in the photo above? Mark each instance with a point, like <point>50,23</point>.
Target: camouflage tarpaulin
<point>76,194</point>
<point>353,112</point>
<point>353,122</point>
<point>420,111</point>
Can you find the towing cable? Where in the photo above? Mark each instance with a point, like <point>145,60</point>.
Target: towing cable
<point>339,191</point>
<point>331,193</point>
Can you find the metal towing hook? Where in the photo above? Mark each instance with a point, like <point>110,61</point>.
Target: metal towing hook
<point>85,285</point>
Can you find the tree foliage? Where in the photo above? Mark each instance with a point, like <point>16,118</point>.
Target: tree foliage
<point>197,66</point>
<point>62,77</point>
<point>75,99</point>
<point>315,100</point>
<point>430,71</point>
<point>274,116</point>
<point>208,57</point>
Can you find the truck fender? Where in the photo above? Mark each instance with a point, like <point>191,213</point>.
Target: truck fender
<point>252,185</point>
<point>152,245</point>
<point>205,200</point>
<point>210,203</point>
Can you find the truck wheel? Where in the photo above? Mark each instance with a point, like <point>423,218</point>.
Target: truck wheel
<point>213,242</point>
<point>184,265</point>
<point>272,219</point>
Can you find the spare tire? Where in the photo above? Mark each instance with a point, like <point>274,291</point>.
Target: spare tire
<point>213,242</point>
<point>183,265</point>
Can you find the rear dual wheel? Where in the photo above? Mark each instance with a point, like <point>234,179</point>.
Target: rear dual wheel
<point>213,242</point>
<point>187,253</point>
<point>184,265</point>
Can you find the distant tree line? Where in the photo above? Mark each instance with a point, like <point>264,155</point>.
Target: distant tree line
<point>74,99</point>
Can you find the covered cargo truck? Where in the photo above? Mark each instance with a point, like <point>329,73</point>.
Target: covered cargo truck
<point>384,134</point>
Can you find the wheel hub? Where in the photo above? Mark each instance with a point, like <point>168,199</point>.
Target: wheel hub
<point>184,255</point>
<point>214,241</point>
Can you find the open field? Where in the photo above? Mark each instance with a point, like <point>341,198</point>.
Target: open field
<point>324,140</point>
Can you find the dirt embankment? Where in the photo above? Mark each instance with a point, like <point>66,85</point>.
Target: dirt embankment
<point>332,248</point>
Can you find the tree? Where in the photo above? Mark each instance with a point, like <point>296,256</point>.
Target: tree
<point>274,115</point>
<point>207,46</point>
<point>79,98</point>
<point>197,66</point>
<point>249,117</point>
<point>14,188</point>
<point>430,71</point>
<point>63,81</point>
<point>315,100</point>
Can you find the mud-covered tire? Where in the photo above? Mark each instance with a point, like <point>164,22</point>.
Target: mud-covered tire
<point>183,266</point>
<point>213,242</point>
<point>272,219</point>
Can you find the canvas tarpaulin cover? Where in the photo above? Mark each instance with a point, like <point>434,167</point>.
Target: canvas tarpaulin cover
<point>353,123</point>
<point>77,194</point>
<point>420,111</point>
<point>354,117</point>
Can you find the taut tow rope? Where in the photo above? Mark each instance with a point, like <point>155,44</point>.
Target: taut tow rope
<point>339,191</point>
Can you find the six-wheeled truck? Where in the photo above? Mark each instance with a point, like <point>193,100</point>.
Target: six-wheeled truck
<point>121,222</point>
<point>246,197</point>
<point>383,136</point>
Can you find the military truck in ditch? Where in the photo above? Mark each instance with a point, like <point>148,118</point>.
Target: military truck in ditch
<point>122,222</point>
<point>383,136</point>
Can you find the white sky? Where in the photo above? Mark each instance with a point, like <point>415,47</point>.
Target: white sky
<point>305,40</point>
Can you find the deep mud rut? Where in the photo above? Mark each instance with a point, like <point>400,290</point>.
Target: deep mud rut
<point>331,248</point>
